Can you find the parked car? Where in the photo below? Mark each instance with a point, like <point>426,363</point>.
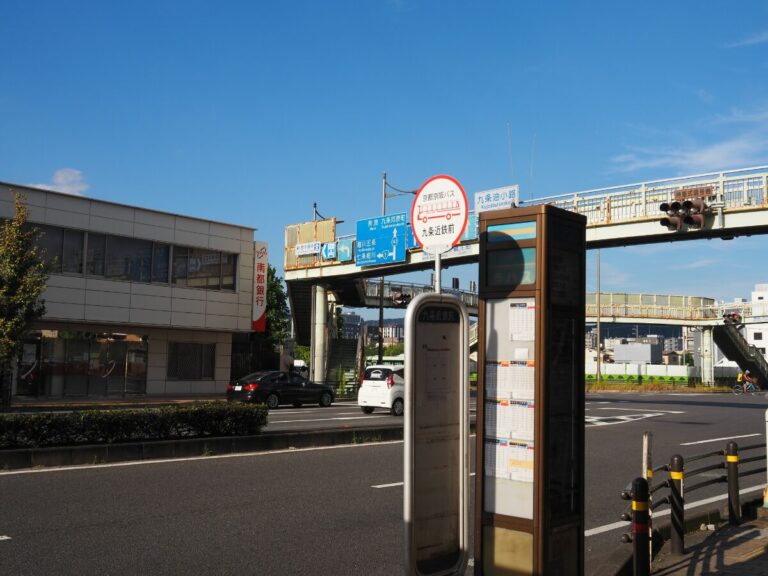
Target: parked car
<point>382,386</point>
<point>274,387</point>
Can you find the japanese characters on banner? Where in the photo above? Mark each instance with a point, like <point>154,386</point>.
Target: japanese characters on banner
<point>260,264</point>
<point>439,214</point>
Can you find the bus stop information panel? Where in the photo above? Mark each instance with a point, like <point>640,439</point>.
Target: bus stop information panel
<point>530,409</point>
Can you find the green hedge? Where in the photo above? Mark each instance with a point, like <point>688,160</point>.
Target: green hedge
<point>112,426</point>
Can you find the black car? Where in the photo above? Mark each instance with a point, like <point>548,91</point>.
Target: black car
<point>273,387</point>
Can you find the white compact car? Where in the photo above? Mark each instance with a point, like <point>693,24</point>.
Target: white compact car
<point>383,386</point>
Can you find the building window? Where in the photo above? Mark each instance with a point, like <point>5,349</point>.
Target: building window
<point>191,361</point>
<point>50,240</point>
<point>161,254</point>
<point>762,351</point>
<point>201,268</point>
<point>61,249</point>
<point>204,269</point>
<point>757,336</point>
<point>94,255</point>
<point>134,260</point>
<point>128,259</point>
<point>72,256</point>
<point>71,363</point>
<point>180,258</point>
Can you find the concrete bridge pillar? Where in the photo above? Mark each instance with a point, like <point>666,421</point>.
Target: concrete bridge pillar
<point>319,341</point>
<point>707,357</point>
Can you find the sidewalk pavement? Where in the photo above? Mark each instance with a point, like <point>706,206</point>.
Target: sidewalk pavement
<point>728,550</point>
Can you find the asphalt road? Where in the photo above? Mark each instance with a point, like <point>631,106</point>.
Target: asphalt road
<point>342,414</point>
<point>319,511</point>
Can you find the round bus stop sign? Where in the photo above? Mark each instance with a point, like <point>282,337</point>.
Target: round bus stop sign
<point>439,214</point>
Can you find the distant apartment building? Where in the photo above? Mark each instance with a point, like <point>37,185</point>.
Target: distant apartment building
<point>393,331</point>
<point>756,330</point>
<point>137,302</point>
<point>351,325</point>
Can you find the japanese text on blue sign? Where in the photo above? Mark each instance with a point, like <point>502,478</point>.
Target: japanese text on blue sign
<point>381,240</point>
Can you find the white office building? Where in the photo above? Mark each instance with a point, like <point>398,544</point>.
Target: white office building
<point>756,330</point>
<point>138,301</point>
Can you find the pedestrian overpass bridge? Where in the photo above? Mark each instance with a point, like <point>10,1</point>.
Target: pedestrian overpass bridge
<point>736,205</point>
<point>635,308</point>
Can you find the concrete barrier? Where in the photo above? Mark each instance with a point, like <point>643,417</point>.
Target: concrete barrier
<point>169,449</point>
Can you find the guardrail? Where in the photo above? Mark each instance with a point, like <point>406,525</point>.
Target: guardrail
<point>641,494</point>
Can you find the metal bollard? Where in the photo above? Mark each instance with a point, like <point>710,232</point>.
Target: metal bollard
<point>732,467</point>
<point>677,504</point>
<point>641,551</point>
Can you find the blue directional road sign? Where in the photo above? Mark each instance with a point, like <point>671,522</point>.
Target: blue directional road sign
<point>381,240</point>
<point>345,250</point>
<point>328,251</point>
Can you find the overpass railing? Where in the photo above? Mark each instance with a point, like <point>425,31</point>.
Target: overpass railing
<point>734,189</point>
<point>653,312</point>
<point>401,293</point>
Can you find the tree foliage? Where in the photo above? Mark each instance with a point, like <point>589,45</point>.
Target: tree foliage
<point>278,314</point>
<point>23,279</point>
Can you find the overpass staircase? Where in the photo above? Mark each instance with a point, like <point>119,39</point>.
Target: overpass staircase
<point>732,343</point>
<point>342,361</point>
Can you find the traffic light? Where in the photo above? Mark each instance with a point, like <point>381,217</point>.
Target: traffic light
<point>674,219</point>
<point>691,212</point>
<point>694,212</point>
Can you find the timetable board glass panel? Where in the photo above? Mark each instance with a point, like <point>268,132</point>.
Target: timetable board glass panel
<point>509,407</point>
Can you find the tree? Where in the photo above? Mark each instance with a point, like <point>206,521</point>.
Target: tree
<point>23,280</point>
<point>278,314</point>
<point>394,349</point>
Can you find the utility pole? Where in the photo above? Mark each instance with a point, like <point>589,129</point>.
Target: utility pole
<point>381,280</point>
<point>384,195</point>
<point>597,300</point>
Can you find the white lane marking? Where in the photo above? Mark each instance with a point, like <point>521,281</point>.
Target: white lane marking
<point>395,484</point>
<point>5,538</point>
<point>635,409</point>
<point>277,411</point>
<point>622,524</point>
<point>591,421</point>
<point>326,419</point>
<point>387,485</point>
<point>718,439</point>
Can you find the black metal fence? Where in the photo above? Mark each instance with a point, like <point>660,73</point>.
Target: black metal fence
<point>644,501</point>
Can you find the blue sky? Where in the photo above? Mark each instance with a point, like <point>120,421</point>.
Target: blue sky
<point>248,112</point>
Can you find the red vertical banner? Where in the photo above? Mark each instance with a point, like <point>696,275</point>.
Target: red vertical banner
<point>260,265</point>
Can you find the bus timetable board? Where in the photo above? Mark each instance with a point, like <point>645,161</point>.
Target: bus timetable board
<point>530,419</point>
<point>436,434</point>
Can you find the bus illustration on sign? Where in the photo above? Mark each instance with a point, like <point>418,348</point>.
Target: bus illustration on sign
<point>445,209</point>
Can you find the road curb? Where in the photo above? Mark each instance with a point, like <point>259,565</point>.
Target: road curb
<point>22,458</point>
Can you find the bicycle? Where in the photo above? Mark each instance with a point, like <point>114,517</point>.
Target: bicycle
<point>741,387</point>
